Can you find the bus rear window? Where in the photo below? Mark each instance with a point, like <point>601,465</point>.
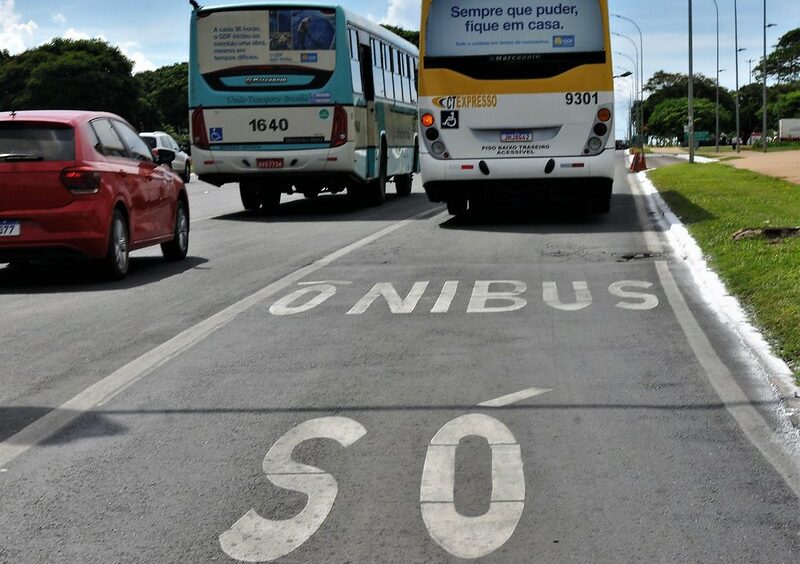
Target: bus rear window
<point>266,48</point>
<point>46,142</point>
<point>510,39</point>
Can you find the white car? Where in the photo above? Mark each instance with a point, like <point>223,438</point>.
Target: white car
<point>182,164</point>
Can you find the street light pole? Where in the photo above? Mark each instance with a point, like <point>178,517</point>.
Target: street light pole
<point>750,70</point>
<point>691,90</point>
<point>641,73</point>
<point>636,85</point>
<point>764,80</point>
<point>716,135</point>
<point>736,46</point>
<point>635,50</point>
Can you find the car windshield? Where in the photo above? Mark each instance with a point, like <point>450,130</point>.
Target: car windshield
<point>39,141</point>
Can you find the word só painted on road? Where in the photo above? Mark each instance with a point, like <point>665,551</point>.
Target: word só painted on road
<point>485,296</point>
<point>254,538</point>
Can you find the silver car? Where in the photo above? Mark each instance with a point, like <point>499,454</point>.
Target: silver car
<point>182,165</point>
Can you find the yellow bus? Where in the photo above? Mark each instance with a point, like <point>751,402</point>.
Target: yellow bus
<point>516,99</point>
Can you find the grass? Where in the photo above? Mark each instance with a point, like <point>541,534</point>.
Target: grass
<point>714,201</point>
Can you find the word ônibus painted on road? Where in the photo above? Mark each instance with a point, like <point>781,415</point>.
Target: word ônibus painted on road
<point>254,538</point>
<point>486,296</point>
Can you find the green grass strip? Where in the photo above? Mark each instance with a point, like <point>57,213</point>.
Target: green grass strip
<point>715,201</point>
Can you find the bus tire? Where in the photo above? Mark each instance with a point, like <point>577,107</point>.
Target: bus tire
<point>270,200</point>
<point>402,183</point>
<point>377,188</point>
<point>251,199</point>
<point>601,198</point>
<point>457,205</point>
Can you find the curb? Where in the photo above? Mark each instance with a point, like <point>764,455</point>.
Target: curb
<point>726,306</point>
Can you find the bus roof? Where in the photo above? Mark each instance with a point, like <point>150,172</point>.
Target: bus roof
<point>350,16</point>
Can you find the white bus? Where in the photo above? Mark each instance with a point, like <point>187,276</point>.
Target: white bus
<point>516,99</point>
<point>306,99</point>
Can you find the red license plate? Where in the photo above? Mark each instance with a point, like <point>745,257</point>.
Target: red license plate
<point>269,163</point>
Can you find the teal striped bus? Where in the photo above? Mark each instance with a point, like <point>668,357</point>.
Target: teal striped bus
<point>301,99</point>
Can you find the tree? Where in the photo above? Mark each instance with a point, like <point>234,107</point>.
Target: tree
<point>784,62</point>
<point>164,100</point>
<point>669,86</point>
<point>66,74</point>
<point>670,116</point>
<point>408,35</point>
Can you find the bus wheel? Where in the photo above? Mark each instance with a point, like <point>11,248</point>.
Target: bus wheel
<point>377,188</point>
<point>251,198</point>
<point>457,205</point>
<point>402,184</point>
<point>601,198</point>
<point>270,200</point>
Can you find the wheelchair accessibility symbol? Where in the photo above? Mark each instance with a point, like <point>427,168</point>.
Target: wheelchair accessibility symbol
<point>449,119</point>
<point>215,134</point>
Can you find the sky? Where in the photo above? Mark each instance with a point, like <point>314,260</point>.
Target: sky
<point>155,33</point>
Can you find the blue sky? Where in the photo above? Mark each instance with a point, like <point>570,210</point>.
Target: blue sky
<point>154,33</point>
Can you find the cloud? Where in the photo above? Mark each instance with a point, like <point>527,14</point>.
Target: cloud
<point>75,35</point>
<point>59,19</point>
<point>403,13</point>
<point>13,33</point>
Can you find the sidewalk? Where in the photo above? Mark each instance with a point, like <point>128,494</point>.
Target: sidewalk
<point>781,164</point>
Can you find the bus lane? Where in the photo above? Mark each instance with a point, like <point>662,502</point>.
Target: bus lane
<point>512,390</point>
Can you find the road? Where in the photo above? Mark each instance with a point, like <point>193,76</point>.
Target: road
<point>347,384</point>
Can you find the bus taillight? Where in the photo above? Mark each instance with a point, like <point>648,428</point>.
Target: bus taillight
<point>427,120</point>
<point>604,114</point>
<point>339,130</point>
<point>199,133</point>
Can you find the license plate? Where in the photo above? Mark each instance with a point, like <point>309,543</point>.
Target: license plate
<point>515,136</point>
<point>10,228</point>
<point>269,163</point>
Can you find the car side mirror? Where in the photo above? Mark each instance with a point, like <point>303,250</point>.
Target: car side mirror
<point>163,156</point>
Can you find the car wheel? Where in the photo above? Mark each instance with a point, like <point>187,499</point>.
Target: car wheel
<point>402,184</point>
<point>117,259</point>
<point>179,246</point>
<point>187,173</point>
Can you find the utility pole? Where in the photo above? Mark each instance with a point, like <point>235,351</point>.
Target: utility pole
<point>691,90</point>
<point>764,79</point>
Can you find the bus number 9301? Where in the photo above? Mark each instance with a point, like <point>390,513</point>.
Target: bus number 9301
<point>580,98</point>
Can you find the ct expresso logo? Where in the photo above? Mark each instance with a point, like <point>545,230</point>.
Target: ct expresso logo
<point>458,102</point>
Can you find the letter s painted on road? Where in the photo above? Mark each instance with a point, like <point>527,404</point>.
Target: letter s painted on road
<point>256,539</point>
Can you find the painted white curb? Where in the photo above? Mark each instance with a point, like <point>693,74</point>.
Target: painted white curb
<point>716,295</point>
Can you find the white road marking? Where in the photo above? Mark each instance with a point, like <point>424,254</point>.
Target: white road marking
<point>284,306</point>
<point>393,299</point>
<point>120,379</point>
<point>340,282</point>
<point>444,300</point>
<point>256,539</point>
<point>647,301</point>
<point>583,298</point>
<point>515,397</point>
<point>757,430</point>
<point>472,537</point>
<point>482,294</point>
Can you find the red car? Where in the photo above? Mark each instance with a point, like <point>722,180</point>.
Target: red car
<point>84,184</point>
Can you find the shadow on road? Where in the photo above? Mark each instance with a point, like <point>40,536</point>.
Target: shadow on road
<point>336,207</point>
<point>568,217</point>
<point>74,425</point>
<point>80,276</point>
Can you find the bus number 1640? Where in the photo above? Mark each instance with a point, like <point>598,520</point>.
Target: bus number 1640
<point>580,98</point>
<point>274,125</point>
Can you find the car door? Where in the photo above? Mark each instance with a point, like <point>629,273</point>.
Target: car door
<point>157,181</point>
<point>137,194</point>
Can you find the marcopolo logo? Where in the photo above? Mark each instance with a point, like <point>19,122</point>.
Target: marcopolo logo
<point>563,41</point>
<point>309,57</point>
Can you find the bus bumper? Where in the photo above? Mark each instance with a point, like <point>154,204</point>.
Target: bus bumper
<point>535,178</point>
<point>219,167</point>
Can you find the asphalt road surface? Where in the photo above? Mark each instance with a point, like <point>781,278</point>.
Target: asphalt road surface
<point>345,384</point>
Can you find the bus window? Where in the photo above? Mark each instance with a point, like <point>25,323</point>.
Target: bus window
<point>355,65</point>
<point>377,69</point>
